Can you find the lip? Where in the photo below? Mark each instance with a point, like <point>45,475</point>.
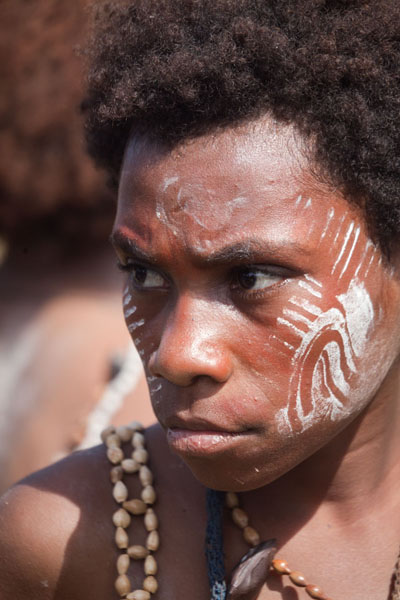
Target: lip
<point>199,424</point>
<point>197,442</point>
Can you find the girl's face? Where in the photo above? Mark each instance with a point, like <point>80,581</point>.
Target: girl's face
<point>265,315</point>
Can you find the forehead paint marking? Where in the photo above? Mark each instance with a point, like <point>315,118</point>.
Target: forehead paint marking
<point>331,214</point>
<point>168,182</point>
<point>306,305</point>
<point>346,239</point>
<point>350,254</point>
<point>135,325</point>
<point>130,311</point>
<point>309,288</point>
<point>299,199</point>
<point>309,203</point>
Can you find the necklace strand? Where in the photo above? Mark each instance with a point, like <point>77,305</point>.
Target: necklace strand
<point>113,438</point>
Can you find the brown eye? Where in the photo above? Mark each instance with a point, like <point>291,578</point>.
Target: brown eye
<point>146,278</point>
<point>254,278</point>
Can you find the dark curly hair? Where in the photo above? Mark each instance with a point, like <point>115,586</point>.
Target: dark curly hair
<point>179,68</point>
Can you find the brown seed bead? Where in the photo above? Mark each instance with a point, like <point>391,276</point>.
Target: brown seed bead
<point>138,440</point>
<point>130,466</point>
<point>120,492</point>
<point>150,520</point>
<point>298,578</point>
<point>115,455</point>
<point>153,541</point>
<point>106,432</point>
<point>141,455</point>
<point>145,476</point>
<point>251,536</point>
<point>113,441</point>
<point>240,518</point>
<point>139,595</point>
<point>137,552</point>
<point>281,566</point>
<point>122,585</point>
<point>121,518</point>
<point>315,592</point>
<point>123,563</point>
<point>148,494</point>
<point>124,433</point>
<point>135,507</point>
<point>150,565</point>
<point>231,500</point>
<point>121,538</point>
<point>150,584</point>
<point>116,474</point>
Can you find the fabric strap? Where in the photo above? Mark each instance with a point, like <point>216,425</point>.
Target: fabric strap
<point>215,545</point>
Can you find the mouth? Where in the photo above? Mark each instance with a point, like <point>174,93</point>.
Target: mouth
<point>201,437</point>
<point>195,442</point>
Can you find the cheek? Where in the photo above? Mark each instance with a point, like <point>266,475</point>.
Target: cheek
<point>329,358</point>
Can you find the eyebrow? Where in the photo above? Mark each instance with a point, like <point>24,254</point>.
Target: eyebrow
<point>129,246</point>
<point>250,250</point>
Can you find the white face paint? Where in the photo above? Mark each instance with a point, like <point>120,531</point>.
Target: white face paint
<point>190,200</point>
<point>328,342</point>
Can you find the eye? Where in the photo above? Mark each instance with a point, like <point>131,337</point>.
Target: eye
<point>256,278</point>
<point>143,277</point>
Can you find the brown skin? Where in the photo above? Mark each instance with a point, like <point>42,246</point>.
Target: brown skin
<point>325,490</point>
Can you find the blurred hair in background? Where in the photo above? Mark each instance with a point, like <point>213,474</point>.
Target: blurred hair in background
<point>67,366</point>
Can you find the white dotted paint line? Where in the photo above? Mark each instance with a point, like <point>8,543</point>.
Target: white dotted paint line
<point>346,240</point>
<point>309,288</point>
<point>286,344</point>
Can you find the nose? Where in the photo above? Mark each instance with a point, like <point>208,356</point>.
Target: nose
<point>191,346</point>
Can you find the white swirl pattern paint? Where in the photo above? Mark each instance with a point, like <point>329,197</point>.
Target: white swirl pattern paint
<point>331,340</point>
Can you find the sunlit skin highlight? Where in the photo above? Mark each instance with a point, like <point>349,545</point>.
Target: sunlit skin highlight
<point>225,353</point>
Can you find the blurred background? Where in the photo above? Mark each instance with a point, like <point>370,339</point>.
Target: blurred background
<point>67,366</point>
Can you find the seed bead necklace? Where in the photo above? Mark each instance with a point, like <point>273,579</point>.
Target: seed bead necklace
<point>113,438</point>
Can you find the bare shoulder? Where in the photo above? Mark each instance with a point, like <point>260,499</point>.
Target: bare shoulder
<point>57,533</point>
<point>47,523</point>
